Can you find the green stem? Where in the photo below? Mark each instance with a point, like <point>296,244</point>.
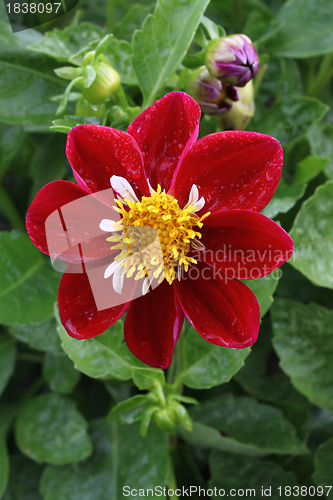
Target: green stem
<point>238,13</point>
<point>122,97</point>
<point>259,78</point>
<point>10,209</point>
<point>34,358</point>
<point>33,389</point>
<point>172,483</point>
<point>324,75</point>
<point>160,393</point>
<point>180,363</point>
<point>110,10</point>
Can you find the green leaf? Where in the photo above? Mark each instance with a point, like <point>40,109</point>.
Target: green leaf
<point>121,458</point>
<point>7,415</point>
<point>312,233</point>
<point>145,378</point>
<point>323,462</point>
<point>309,168</point>
<point>27,83</point>
<point>130,410</point>
<point>40,336</point>
<point>60,373</point>
<point>306,29</point>
<point>132,20</point>
<point>230,471</point>
<point>321,140</point>
<point>285,197</point>
<point>212,29</point>
<point>105,356</point>
<point>163,41</point>
<point>261,378</point>
<point>119,53</point>
<point>242,425</point>
<point>207,365</point>
<point>305,349</point>
<point>4,467</point>
<point>282,79</point>
<point>50,152</point>
<point>264,288</point>
<point>50,429</point>
<point>11,139</point>
<point>29,285</point>
<point>7,359</point>
<point>24,479</point>
<point>66,123</point>
<point>62,44</point>
<point>289,118</point>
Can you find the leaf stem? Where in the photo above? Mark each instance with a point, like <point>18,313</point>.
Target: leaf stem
<point>10,209</point>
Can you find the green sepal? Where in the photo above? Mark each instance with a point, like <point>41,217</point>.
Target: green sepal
<point>68,72</point>
<point>65,97</point>
<point>146,418</point>
<point>130,410</point>
<point>88,75</point>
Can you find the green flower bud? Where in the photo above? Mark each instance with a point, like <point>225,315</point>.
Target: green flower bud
<point>83,108</point>
<point>105,79</point>
<point>241,111</point>
<point>166,419</point>
<point>173,414</point>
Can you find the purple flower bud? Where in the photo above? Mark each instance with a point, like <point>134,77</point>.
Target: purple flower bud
<point>214,96</point>
<point>240,113</point>
<point>233,59</point>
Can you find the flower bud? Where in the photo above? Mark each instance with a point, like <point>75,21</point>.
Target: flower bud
<point>106,79</point>
<point>233,59</point>
<point>241,111</point>
<point>166,419</point>
<point>213,96</point>
<point>169,417</point>
<point>83,108</point>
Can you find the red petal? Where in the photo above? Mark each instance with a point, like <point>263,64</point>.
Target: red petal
<point>152,326</point>
<point>63,222</point>
<point>232,170</point>
<point>222,310</point>
<point>163,131</point>
<point>244,244</point>
<point>50,198</point>
<point>96,153</point>
<point>78,311</point>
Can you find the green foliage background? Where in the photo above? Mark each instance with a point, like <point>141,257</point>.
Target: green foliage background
<point>265,415</point>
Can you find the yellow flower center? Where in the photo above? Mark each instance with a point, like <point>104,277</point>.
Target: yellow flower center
<point>156,237</point>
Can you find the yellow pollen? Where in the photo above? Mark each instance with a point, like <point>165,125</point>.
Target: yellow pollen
<point>155,236</point>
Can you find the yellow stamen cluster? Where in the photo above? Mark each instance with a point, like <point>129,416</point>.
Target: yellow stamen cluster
<point>156,236</point>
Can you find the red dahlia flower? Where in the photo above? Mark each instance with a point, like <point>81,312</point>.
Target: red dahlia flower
<point>203,200</point>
